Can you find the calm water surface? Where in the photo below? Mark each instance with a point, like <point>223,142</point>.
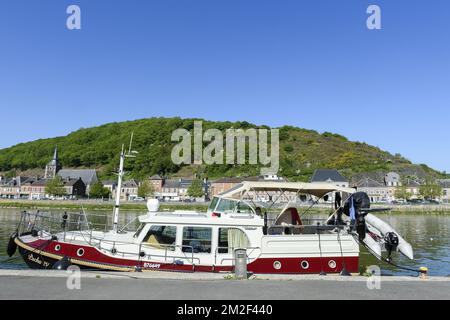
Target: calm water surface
<point>428,234</point>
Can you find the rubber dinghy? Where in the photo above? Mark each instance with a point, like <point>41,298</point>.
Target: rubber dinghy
<point>385,230</point>
<point>373,245</point>
<point>376,234</point>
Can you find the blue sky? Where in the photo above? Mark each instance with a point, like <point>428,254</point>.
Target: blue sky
<point>312,64</point>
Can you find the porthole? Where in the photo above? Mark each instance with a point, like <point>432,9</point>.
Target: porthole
<point>57,247</point>
<point>80,252</point>
<point>332,264</point>
<point>277,265</point>
<point>305,265</point>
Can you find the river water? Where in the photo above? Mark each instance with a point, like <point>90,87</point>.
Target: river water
<point>429,236</point>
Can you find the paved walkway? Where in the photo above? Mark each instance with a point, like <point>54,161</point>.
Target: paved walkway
<point>32,284</point>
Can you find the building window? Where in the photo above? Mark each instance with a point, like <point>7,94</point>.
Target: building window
<point>197,239</point>
<point>161,237</point>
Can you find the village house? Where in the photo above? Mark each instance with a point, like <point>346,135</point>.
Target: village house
<point>377,192</point>
<point>11,188</point>
<point>177,189</point>
<point>111,186</point>
<point>129,190</point>
<point>89,176</point>
<point>330,176</point>
<point>36,189</point>
<point>74,187</point>
<point>385,191</point>
<point>413,187</point>
<point>54,169</point>
<point>157,183</point>
<point>222,185</point>
<point>445,184</point>
<point>392,179</point>
<point>226,184</point>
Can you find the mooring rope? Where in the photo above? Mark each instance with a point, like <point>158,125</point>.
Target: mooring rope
<point>381,258</point>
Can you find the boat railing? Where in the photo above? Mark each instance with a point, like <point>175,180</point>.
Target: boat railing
<point>75,225</point>
<point>68,221</point>
<point>114,247</point>
<point>289,229</point>
<point>232,259</point>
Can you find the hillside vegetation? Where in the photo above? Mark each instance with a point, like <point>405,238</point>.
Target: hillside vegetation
<point>301,152</point>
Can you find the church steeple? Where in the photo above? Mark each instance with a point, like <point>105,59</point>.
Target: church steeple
<point>55,154</point>
<point>53,166</point>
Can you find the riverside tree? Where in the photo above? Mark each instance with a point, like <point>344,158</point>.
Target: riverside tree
<point>195,190</point>
<point>98,191</point>
<point>55,187</point>
<point>430,190</point>
<point>146,190</point>
<point>402,193</point>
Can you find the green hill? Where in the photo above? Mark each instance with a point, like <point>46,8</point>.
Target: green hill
<point>301,152</point>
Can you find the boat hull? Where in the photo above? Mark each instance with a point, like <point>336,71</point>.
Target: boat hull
<point>41,254</point>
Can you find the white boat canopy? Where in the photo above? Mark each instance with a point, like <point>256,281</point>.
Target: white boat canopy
<point>316,189</point>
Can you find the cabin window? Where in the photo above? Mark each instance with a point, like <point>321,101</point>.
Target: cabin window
<point>213,204</point>
<point>161,237</point>
<point>242,207</point>
<point>139,230</point>
<point>226,205</point>
<point>197,239</point>
<point>231,239</point>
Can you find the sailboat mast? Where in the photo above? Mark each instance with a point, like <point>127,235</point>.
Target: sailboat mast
<point>119,190</point>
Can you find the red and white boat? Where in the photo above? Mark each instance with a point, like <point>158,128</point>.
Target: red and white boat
<point>290,243</point>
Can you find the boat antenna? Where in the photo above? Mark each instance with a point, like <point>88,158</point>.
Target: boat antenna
<point>130,154</point>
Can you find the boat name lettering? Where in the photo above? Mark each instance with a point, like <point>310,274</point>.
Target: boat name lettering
<point>31,257</point>
<point>152,265</point>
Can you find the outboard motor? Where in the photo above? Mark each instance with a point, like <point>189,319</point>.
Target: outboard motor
<point>12,246</point>
<point>391,243</point>
<point>361,227</point>
<point>360,201</point>
<point>357,202</point>
<point>62,264</point>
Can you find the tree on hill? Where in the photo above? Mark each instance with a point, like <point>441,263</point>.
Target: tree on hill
<point>98,191</point>
<point>195,190</point>
<point>146,190</point>
<point>55,187</point>
<point>100,146</point>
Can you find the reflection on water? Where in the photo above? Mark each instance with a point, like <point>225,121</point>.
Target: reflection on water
<point>428,234</point>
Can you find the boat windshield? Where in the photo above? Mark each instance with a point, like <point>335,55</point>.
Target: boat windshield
<point>221,205</point>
